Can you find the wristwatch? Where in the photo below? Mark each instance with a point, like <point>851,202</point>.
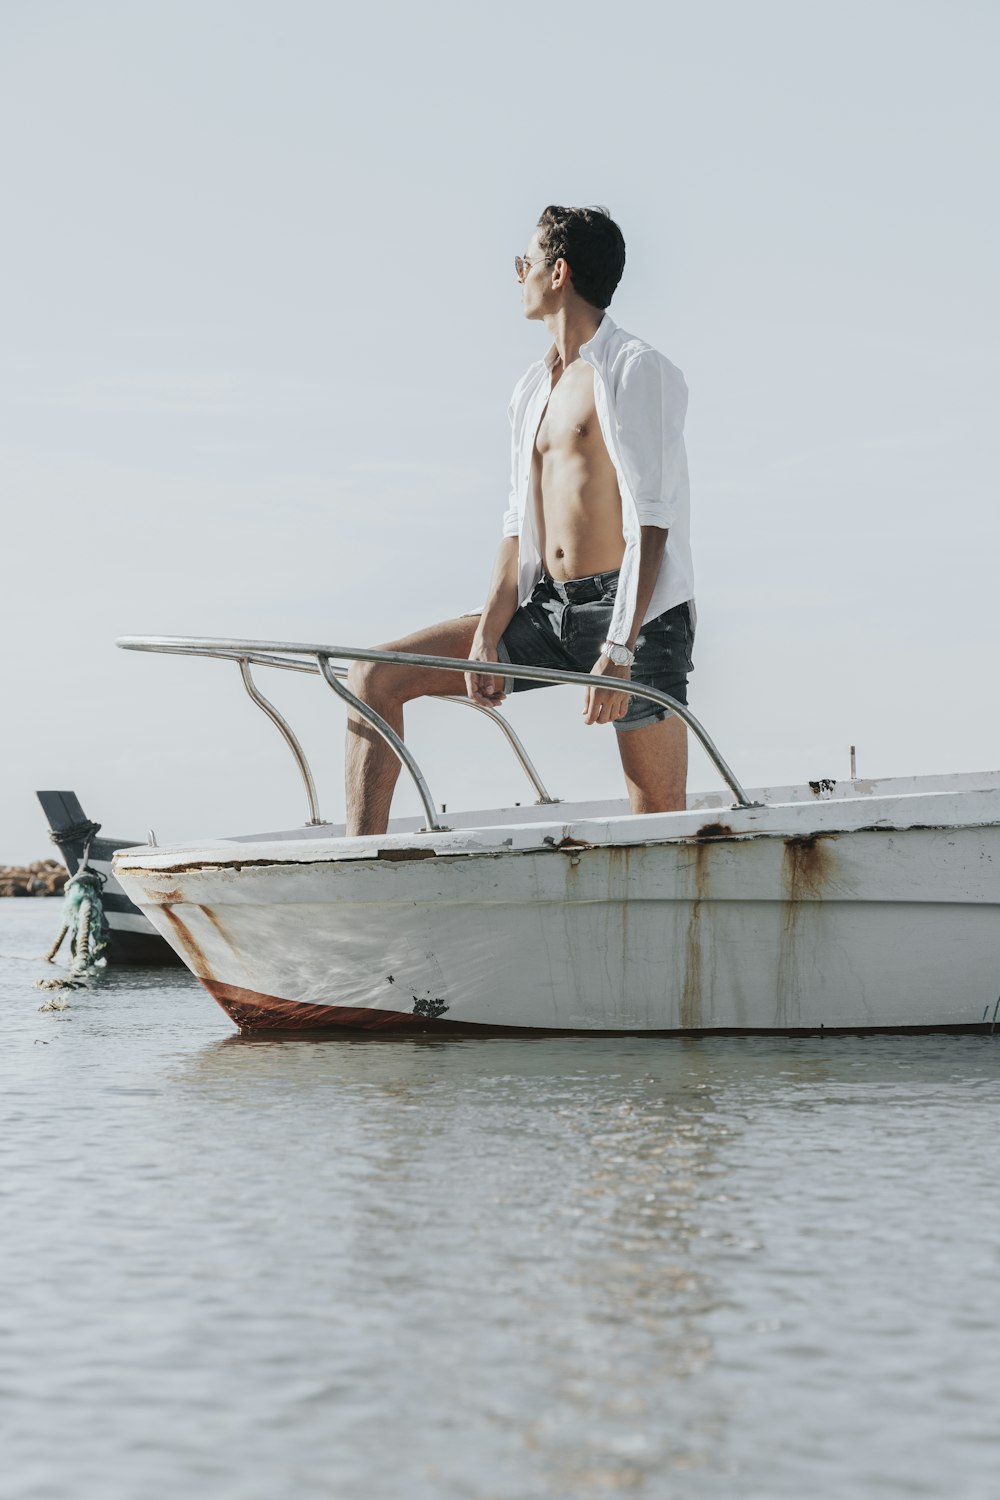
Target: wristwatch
<point>620,655</point>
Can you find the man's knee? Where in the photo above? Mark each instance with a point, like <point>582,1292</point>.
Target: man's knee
<point>384,683</point>
<point>371,681</point>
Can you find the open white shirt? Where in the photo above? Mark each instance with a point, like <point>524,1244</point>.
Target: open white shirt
<point>641,402</point>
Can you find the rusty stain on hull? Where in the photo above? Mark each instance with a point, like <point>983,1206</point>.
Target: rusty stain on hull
<point>692,989</point>
<point>807,867</point>
<point>690,1009</point>
<point>224,935</point>
<point>210,914</point>
<point>194,957</point>
<point>709,831</point>
<point>693,986</point>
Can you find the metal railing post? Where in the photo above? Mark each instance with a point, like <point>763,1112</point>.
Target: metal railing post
<point>513,741</point>
<point>391,738</point>
<point>288,734</point>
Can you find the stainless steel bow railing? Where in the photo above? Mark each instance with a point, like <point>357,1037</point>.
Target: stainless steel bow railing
<point>298,657</point>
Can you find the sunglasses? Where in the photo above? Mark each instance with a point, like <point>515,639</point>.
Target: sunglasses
<point>522,265</point>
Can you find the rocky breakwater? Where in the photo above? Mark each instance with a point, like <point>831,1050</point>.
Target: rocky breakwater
<point>46,877</point>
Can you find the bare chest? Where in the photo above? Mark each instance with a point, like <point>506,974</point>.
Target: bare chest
<point>569,424</point>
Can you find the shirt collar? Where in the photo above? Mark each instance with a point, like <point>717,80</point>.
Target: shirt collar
<point>594,347</point>
<point>591,350</point>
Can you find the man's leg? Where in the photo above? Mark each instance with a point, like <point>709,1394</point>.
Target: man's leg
<point>371,766</point>
<point>654,760</point>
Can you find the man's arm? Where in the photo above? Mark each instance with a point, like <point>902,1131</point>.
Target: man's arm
<point>601,706</point>
<point>498,611</point>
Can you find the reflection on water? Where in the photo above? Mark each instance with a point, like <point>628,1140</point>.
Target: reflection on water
<point>432,1267</point>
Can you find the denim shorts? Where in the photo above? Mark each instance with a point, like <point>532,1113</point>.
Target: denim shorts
<point>565,624</point>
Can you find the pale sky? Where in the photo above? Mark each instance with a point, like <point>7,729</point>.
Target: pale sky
<point>260,326</point>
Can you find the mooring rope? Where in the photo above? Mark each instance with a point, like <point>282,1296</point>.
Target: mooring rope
<point>85,830</point>
<point>83,920</point>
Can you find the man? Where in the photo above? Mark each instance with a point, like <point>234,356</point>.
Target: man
<point>594,570</point>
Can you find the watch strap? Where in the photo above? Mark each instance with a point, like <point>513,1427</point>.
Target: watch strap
<point>620,655</point>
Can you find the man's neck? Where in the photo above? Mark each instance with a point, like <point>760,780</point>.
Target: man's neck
<point>571,327</point>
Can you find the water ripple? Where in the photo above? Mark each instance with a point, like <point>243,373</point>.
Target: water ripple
<point>504,1269</point>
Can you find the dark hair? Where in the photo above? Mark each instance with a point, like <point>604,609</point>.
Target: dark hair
<point>592,245</point>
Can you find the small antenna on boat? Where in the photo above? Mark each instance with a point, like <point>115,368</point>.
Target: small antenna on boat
<point>854,763</point>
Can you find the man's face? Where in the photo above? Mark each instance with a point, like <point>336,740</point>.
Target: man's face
<point>536,288</point>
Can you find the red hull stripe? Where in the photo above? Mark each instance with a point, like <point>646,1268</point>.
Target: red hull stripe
<point>255,1013</point>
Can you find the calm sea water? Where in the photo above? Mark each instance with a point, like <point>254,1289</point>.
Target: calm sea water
<point>486,1270</point>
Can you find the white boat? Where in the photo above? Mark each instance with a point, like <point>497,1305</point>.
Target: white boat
<point>858,906</point>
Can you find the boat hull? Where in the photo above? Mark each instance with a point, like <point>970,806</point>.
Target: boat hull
<point>761,930</point>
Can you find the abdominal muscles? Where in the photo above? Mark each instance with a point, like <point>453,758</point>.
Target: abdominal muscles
<point>578,507</point>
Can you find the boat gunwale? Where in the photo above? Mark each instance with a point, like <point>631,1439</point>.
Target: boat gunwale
<point>818,820</point>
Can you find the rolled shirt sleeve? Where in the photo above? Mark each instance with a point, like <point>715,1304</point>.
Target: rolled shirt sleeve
<point>651,407</point>
<point>512,516</point>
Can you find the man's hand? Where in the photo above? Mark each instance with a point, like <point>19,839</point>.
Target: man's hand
<point>601,705</point>
<point>484,690</point>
